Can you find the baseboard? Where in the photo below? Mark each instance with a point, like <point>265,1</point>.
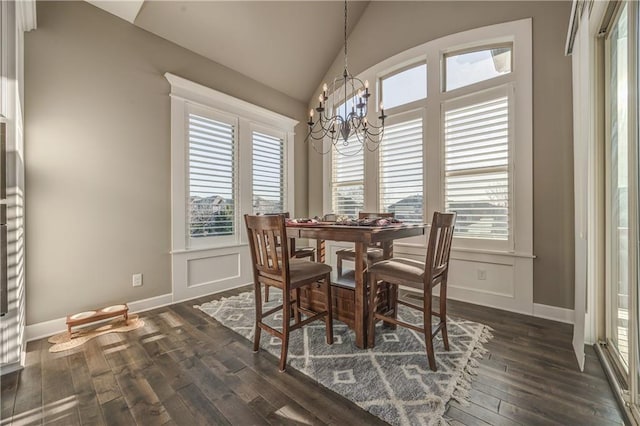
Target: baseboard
<point>553,313</point>
<point>541,311</point>
<point>207,293</point>
<point>51,327</point>
<point>151,303</point>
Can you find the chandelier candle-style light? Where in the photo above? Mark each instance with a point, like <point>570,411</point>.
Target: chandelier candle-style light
<point>342,114</point>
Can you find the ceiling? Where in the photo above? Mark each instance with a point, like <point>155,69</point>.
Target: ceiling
<point>286,45</point>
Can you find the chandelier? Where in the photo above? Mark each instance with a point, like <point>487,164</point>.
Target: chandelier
<point>342,114</point>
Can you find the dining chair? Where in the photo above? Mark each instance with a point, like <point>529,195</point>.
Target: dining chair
<point>374,251</point>
<point>298,253</point>
<point>422,276</point>
<point>272,269</point>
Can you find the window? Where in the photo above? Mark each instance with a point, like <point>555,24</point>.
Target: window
<point>476,139</point>
<point>226,154</point>
<point>228,158</point>
<point>347,182</point>
<point>464,69</point>
<point>401,177</point>
<point>404,87</point>
<point>619,183</point>
<point>212,183</point>
<point>466,147</point>
<point>268,173</point>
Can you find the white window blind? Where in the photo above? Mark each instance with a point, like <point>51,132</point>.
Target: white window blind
<point>347,181</point>
<point>212,184</point>
<point>477,168</point>
<point>268,173</point>
<point>401,176</point>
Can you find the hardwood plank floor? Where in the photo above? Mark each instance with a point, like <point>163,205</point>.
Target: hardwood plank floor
<point>184,368</point>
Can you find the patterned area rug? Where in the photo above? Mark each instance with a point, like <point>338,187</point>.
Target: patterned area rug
<point>63,342</point>
<point>392,381</point>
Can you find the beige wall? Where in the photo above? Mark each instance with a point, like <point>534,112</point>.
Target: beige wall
<point>388,28</point>
<point>98,159</point>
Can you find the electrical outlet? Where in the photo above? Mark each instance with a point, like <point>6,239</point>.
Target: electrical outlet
<point>137,280</point>
<point>482,274</point>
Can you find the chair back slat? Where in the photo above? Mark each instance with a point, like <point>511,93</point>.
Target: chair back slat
<point>283,214</point>
<point>439,247</point>
<point>266,233</point>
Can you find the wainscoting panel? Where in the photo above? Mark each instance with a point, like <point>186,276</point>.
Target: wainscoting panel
<point>507,280</point>
<point>497,280</point>
<point>211,269</point>
<point>204,271</point>
<point>482,277</point>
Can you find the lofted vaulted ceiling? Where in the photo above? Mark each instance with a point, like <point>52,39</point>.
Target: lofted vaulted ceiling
<point>287,45</point>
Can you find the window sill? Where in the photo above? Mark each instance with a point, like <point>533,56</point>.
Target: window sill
<point>207,248</point>
<point>494,252</point>
<point>420,248</point>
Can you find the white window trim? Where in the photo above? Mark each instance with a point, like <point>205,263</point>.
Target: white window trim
<point>187,95</point>
<point>510,268</point>
<point>518,33</point>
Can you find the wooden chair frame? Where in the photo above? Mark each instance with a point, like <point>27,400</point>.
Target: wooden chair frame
<point>273,269</point>
<point>436,273</point>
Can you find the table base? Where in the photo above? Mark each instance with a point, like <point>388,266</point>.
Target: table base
<point>344,305</point>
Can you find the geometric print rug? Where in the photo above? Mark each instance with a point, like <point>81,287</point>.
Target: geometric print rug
<point>392,380</point>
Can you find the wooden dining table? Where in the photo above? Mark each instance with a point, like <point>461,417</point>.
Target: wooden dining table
<point>362,237</point>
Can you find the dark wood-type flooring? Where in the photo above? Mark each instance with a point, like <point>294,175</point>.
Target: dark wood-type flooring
<point>184,368</point>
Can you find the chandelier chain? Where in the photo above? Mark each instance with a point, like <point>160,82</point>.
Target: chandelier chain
<point>345,34</point>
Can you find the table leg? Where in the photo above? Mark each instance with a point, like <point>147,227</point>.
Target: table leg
<point>392,290</point>
<point>292,246</point>
<point>361,297</point>
<point>320,251</point>
<point>387,249</point>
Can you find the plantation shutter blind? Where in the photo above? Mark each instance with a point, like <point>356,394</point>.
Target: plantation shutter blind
<point>347,180</point>
<point>401,173</point>
<point>212,184</point>
<point>477,168</point>
<point>268,173</point>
